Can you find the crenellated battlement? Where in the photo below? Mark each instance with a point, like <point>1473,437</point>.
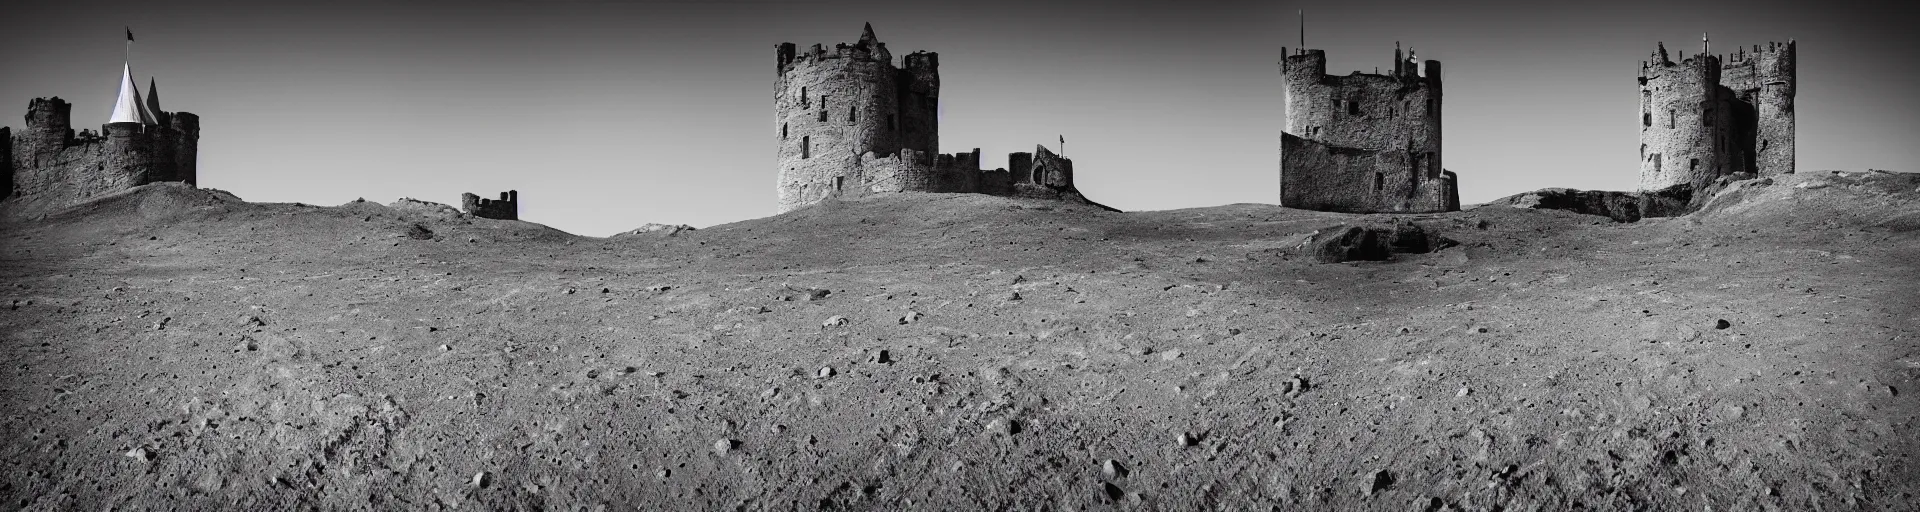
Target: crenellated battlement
<point>507,207</point>
<point>850,123</point>
<point>48,165</point>
<point>1709,115</point>
<point>1363,142</point>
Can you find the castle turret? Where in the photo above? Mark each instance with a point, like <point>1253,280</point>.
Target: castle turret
<point>128,108</point>
<point>1363,143</point>
<point>1682,142</point>
<point>833,107</point>
<point>153,102</point>
<point>185,145</point>
<point>50,168</point>
<point>49,127</point>
<point>1774,130</point>
<point>1706,117</point>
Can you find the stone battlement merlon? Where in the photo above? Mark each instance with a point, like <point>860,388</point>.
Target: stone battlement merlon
<point>867,49</point>
<point>1711,115</point>
<point>1306,63</point>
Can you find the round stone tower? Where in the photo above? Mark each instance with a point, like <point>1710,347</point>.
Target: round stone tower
<point>1683,119</point>
<point>832,106</point>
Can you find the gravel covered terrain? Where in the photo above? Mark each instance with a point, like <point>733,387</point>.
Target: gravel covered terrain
<point>175,348</point>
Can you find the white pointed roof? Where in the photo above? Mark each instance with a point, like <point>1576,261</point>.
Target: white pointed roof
<point>129,108</point>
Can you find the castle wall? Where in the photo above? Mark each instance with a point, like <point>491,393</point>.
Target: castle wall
<point>1363,143</point>
<point>918,83</point>
<point>1682,127</point>
<point>51,168</point>
<point>850,123</point>
<point>507,207</point>
<point>1709,116</point>
<point>908,171</point>
<point>832,107</point>
<point>1356,180</point>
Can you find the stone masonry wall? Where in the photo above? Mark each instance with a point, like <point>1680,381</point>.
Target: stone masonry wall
<point>1709,116</point>
<point>834,106</point>
<point>50,167</point>
<point>1363,143</point>
<point>507,207</point>
<point>1368,181</point>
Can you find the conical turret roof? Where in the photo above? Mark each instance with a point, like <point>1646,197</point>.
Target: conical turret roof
<point>128,108</point>
<point>867,37</point>
<point>153,97</point>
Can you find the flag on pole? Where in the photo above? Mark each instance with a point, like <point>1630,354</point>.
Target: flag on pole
<point>129,34</point>
<point>1063,139</point>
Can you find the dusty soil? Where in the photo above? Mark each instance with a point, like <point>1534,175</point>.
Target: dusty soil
<point>173,348</point>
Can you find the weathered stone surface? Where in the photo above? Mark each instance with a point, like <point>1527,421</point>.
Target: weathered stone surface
<point>1374,242</point>
<point>1713,115</point>
<point>49,167</point>
<point>852,124</point>
<point>1619,206</point>
<point>507,207</point>
<point>1363,143</point>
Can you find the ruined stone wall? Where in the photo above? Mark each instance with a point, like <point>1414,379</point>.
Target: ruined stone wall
<point>1366,142</point>
<point>1709,116</point>
<point>507,207</point>
<point>1355,180</point>
<point>834,106</point>
<point>919,118</point>
<point>1683,122</point>
<point>50,167</point>
<point>1762,83</point>
<point>908,171</point>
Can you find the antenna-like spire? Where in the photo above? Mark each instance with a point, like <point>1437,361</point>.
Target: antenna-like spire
<point>1303,30</point>
<point>1703,43</point>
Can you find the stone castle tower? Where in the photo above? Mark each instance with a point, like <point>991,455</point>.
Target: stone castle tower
<point>1363,143</point>
<point>48,166</point>
<point>1710,115</point>
<point>832,107</point>
<point>850,123</point>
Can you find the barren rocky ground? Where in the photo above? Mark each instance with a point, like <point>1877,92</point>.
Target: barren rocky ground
<point>173,348</point>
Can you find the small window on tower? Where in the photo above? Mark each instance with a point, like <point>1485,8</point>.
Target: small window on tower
<point>1646,119</point>
<point>805,100</point>
<point>1353,107</point>
<point>806,146</point>
<point>783,131</point>
<point>1379,181</point>
<point>1656,162</point>
<point>1670,118</point>
<point>853,114</point>
<point>823,111</point>
<point>1693,164</point>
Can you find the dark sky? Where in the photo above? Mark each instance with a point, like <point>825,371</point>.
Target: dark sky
<point>607,115</point>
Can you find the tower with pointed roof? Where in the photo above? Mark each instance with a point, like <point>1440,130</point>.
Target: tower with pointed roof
<point>49,166</point>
